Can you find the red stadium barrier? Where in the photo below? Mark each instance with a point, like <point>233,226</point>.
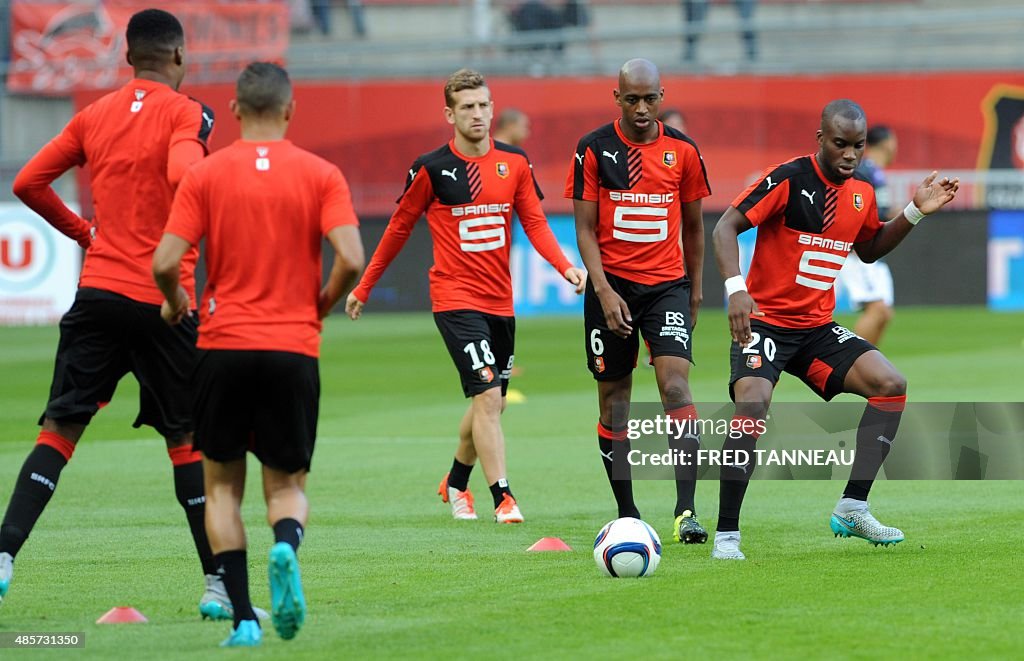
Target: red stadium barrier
<point>742,124</point>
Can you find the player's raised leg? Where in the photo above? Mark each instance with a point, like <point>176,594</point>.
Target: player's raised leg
<point>225,487</point>
<point>287,512</point>
<point>873,377</point>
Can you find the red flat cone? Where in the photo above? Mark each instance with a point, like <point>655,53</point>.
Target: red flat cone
<point>122,615</point>
<point>549,544</point>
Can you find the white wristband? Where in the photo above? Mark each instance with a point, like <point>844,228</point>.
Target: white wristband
<point>734,284</point>
<point>912,213</point>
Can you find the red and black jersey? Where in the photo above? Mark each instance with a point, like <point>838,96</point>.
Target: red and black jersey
<point>468,202</point>
<point>806,227</point>
<point>639,190</point>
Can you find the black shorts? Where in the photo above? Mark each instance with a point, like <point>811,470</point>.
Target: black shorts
<point>481,345</point>
<point>661,314</point>
<point>105,336</point>
<point>819,356</point>
<point>266,402</point>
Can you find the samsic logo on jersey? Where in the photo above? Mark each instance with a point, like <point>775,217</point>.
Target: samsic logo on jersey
<point>502,169</point>
<point>641,198</point>
<point>822,242</point>
<point>476,209</point>
<point>858,201</point>
<point>669,158</point>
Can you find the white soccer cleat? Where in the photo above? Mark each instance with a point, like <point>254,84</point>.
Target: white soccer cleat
<point>727,546</point>
<point>461,501</point>
<point>6,574</point>
<point>216,605</point>
<point>852,518</point>
<point>508,511</point>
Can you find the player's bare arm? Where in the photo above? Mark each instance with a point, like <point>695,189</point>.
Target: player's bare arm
<point>930,196</point>
<point>577,277</point>
<point>693,254</point>
<point>727,255</point>
<point>349,260</point>
<point>616,312</point>
<point>166,272</point>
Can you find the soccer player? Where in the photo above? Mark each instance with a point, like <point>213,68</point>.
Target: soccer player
<point>870,285</point>
<point>263,206</point>
<point>137,141</point>
<point>636,187</point>
<point>468,189</point>
<point>512,127</point>
<point>810,213</point>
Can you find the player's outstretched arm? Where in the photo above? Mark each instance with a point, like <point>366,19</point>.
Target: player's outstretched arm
<point>693,254</point>
<point>930,196</point>
<point>166,272</point>
<point>616,312</point>
<point>349,260</point>
<point>727,255</point>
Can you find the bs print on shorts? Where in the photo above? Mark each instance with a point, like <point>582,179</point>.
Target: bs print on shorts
<point>661,314</point>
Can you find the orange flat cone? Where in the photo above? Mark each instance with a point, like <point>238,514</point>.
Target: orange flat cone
<point>549,544</point>
<point>122,615</point>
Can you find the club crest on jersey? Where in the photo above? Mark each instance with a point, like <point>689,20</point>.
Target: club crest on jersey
<point>669,158</point>
<point>486,375</point>
<point>139,94</point>
<point>858,201</point>
<point>599,363</point>
<point>501,167</point>
<point>753,362</point>
<point>262,162</point>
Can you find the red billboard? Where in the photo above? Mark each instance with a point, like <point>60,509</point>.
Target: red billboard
<point>59,47</point>
<point>374,130</point>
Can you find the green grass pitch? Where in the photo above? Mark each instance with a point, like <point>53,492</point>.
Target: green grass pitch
<point>388,573</point>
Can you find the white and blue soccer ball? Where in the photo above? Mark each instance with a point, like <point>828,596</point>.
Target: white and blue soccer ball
<point>627,548</point>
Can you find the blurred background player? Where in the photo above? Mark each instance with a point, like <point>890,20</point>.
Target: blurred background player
<point>512,127</point>
<point>636,189</point>
<point>137,141</point>
<point>784,322</point>
<point>468,189</point>
<point>263,206</point>
<point>673,118</point>
<point>870,285</point>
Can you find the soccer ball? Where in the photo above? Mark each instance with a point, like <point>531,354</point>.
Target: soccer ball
<point>627,548</point>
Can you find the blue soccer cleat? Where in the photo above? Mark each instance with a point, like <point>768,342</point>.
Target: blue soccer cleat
<point>287,604</point>
<point>852,518</point>
<point>6,573</point>
<point>246,634</point>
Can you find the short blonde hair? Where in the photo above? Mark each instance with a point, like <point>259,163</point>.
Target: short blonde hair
<point>463,79</point>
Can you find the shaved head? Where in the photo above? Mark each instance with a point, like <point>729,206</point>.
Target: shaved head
<point>844,108</point>
<point>639,71</point>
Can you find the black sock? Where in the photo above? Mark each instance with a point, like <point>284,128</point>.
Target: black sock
<point>685,445</point>
<point>233,569</point>
<point>188,487</point>
<point>875,433</point>
<point>498,491</point>
<point>613,443</point>
<point>734,479</point>
<point>458,476</point>
<point>289,531</point>
<point>32,491</point>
